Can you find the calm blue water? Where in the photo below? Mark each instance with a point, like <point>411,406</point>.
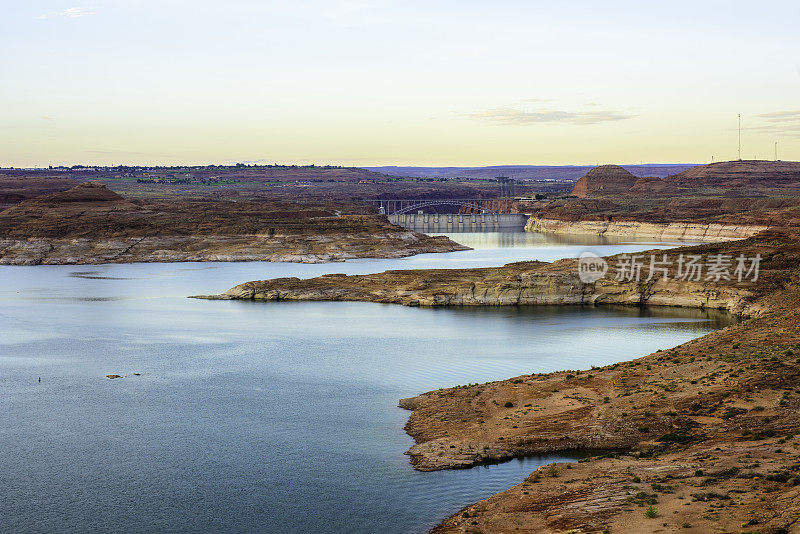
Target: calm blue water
<point>270,417</point>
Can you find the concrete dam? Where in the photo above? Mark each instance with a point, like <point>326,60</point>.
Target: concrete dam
<point>461,222</point>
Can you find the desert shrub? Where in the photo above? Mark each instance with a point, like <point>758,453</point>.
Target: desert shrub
<point>676,437</point>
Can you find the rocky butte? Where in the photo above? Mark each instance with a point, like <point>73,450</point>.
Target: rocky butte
<point>604,180</point>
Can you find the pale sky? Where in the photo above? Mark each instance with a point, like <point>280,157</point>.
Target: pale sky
<point>380,82</point>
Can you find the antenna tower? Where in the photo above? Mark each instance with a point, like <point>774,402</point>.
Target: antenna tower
<point>740,137</point>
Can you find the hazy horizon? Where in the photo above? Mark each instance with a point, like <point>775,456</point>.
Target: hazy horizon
<point>409,166</point>
<point>371,83</point>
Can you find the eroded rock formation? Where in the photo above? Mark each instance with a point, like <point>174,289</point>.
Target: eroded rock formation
<point>604,180</point>
<point>91,224</point>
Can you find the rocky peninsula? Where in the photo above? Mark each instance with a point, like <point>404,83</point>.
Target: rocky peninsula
<point>527,283</point>
<point>703,433</point>
<point>697,438</point>
<point>90,224</point>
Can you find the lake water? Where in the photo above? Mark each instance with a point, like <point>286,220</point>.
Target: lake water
<point>267,417</point>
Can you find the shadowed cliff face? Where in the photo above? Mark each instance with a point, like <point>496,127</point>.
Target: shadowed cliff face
<point>90,224</point>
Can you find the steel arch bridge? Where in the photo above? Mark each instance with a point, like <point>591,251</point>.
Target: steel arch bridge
<point>400,206</point>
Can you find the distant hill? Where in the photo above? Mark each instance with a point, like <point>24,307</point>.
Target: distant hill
<point>604,180</point>
<point>528,172</point>
<point>741,173</point>
<point>726,178</point>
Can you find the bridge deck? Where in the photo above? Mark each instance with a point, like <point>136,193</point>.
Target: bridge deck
<point>461,222</point>
<point>483,205</point>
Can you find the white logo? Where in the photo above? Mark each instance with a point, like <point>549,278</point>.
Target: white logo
<point>591,267</point>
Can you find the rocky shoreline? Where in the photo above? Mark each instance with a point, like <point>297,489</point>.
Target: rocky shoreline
<point>221,248</point>
<point>89,224</point>
<point>702,433</point>
<point>524,283</point>
<point>685,231</point>
<point>705,433</point>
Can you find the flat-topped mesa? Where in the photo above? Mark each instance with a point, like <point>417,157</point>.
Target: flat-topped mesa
<point>604,180</point>
<point>721,178</point>
<point>744,173</point>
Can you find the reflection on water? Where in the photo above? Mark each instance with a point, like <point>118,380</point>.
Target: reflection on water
<point>493,240</point>
<point>248,416</point>
<point>94,275</point>
<point>507,247</point>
